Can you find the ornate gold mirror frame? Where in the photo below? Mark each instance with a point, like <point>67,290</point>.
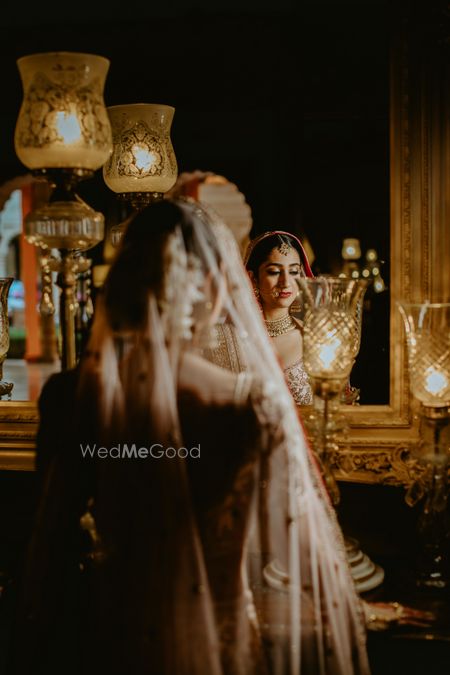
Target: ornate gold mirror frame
<point>420,255</point>
<point>18,427</point>
<point>379,438</point>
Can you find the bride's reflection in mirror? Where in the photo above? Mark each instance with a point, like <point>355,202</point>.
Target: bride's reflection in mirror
<point>274,261</point>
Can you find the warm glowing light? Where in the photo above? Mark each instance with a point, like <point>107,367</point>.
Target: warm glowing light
<point>143,157</point>
<point>355,274</point>
<point>327,352</point>
<point>68,127</point>
<point>435,381</point>
<point>365,273</point>
<point>351,249</point>
<point>375,271</point>
<point>378,285</point>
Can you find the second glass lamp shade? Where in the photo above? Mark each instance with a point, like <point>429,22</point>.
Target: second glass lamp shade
<point>143,159</point>
<point>428,337</point>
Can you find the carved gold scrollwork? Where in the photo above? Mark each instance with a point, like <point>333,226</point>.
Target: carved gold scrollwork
<point>389,467</point>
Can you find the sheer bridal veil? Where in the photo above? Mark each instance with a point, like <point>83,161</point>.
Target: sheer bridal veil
<point>177,277</point>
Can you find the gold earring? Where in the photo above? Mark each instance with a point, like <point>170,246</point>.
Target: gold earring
<point>296,305</point>
<point>256,291</point>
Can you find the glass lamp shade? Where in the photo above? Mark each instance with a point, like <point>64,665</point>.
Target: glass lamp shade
<point>63,121</point>
<point>428,339</point>
<point>143,159</point>
<point>332,325</point>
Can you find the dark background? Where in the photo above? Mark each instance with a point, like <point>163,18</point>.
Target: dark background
<point>289,100</point>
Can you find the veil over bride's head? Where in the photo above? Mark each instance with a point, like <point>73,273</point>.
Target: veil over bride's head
<point>178,274</point>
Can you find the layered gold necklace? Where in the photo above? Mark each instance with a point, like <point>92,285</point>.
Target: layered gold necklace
<point>280,326</point>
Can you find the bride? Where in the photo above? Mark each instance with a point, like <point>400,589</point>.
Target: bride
<point>222,554</point>
<point>274,261</point>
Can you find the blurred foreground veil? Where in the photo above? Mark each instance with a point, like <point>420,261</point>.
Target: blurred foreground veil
<point>226,560</point>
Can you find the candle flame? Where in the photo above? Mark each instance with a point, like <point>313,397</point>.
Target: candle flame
<point>68,127</point>
<point>143,157</point>
<point>435,380</point>
<point>327,352</point>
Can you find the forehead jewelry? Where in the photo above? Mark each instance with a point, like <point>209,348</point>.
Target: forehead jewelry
<point>284,248</point>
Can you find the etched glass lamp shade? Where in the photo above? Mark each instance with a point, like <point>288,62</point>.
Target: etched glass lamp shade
<point>142,166</point>
<point>63,123</point>
<point>428,339</point>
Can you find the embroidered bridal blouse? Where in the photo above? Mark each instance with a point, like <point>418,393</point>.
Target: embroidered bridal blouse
<point>298,383</point>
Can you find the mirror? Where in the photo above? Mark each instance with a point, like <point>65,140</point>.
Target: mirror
<point>280,156</point>
<point>345,164</point>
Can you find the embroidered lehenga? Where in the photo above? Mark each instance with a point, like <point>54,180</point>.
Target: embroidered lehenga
<point>230,564</point>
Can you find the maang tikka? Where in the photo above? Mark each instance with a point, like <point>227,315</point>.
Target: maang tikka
<point>284,248</point>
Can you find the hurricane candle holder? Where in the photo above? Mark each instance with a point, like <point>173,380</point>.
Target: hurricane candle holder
<point>63,135</point>
<point>143,166</point>
<point>331,337</point>
<point>427,327</point>
<point>332,312</point>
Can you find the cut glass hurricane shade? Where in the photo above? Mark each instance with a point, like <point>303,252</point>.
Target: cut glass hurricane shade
<point>332,324</point>
<point>63,121</point>
<point>428,339</point>
<point>327,342</point>
<point>143,159</point>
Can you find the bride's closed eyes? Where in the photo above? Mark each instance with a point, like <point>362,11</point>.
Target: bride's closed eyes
<point>294,271</point>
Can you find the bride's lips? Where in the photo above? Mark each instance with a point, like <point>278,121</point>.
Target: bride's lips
<point>285,294</point>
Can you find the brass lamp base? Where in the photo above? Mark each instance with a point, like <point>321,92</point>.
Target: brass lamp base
<point>323,424</point>
<point>62,178</point>
<point>433,456</point>
<point>365,573</point>
<point>139,200</point>
<point>68,224</point>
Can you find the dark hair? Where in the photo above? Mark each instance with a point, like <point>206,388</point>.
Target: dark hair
<point>262,250</point>
<point>139,266</point>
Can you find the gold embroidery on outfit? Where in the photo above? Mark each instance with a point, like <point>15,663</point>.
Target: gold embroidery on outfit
<point>225,352</point>
<point>298,382</point>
